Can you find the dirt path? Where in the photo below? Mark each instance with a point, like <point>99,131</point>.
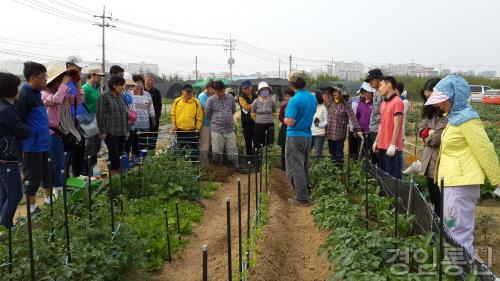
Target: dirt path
<point>212,231</point>
<point>290,241</point>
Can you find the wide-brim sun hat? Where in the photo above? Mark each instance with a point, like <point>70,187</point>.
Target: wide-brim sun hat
<point>54,71</point>
<point>263,85</point>
<point>436,97</point>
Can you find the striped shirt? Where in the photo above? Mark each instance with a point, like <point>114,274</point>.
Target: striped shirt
<point>144,107</point>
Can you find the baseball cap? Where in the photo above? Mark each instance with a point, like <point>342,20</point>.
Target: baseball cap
<point>374,73</point>
<point>246,83</point>
<point>76,60</point>
<point>366,86</point>
<point>96,71</point>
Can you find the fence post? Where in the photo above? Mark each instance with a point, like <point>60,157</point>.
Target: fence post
<point>178,220</point>
<point>168,235</point>
<point>441,232</point>
<point>110,195</point>
<point>396,207</point>
<point>249,194</point>
<point>261,166</point>
<point>51,199</point>
<point>267,164</point>
<point>257,165</point>
<point>66,222</point>
<point>121,182</point>
<point>205,262</point>
<point>229,255</point>
<point>89,187</point>
<point>30,232</point>
<point>366,187</point>
<point>240,248</point>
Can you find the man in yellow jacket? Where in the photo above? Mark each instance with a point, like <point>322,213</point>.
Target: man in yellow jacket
<point>466,158</point>
<point>187,119</point>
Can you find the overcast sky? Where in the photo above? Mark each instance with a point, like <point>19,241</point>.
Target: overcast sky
<point>459,34</point>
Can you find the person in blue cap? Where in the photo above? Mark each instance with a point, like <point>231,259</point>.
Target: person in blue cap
<point>245,101</point>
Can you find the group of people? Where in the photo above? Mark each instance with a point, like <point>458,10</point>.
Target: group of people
<point>41,123</point>
<point>46,122</point>
<point>456,146</point>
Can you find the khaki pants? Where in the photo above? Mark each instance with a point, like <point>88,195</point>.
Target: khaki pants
<point>205,143</point>
<point>227,141</point>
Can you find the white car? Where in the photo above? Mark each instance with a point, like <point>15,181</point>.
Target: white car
<point>477,92</point>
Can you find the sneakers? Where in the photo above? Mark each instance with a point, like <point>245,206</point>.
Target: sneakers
<point>298,203</point>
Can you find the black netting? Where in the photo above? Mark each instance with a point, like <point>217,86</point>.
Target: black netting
<point>412,202</point>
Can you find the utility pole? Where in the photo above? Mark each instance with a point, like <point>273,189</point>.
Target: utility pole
<point>104,24</point>
<point>290,59</point>
<point>230,61</point>
<point>279,68</point>
<point>196,67</point>
<point>331,68</point>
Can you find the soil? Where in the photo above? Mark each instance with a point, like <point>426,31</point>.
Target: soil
<point>212,231</point>
<point>492,207</point>
<point>290,241</point>
<point>287,249</point>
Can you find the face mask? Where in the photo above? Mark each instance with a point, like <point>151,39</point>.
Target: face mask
<point>264,93</point>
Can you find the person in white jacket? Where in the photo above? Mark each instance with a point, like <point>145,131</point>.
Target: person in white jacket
<point>318,128</point>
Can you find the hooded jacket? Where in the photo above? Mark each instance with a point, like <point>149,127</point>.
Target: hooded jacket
<point>32,113</point>
<point>466,154</point>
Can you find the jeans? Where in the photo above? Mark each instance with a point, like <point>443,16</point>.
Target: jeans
<point>318,142</point>
<point>297,165</point>
<point>391,165</point>
<point>58,160</point>
<point>336,149</point>
<point>11,192</point>
<point>115,148</point>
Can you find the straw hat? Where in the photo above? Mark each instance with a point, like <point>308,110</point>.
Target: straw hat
<point>54,71</point>
<point>128,79</point>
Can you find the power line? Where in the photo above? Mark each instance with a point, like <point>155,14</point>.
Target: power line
<point>42,9</point>
<point>159,38</point>
<point>73,6</point>
<point>28,54</point>
<point>159,30</point>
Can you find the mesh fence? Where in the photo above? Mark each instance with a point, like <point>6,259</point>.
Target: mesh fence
<point>412,202</point>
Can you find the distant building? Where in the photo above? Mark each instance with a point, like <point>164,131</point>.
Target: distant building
<point>12,66</point>
<point>349,70</point>
<point>143,68</point>
<point>409,69</point>
<point>488,74</point>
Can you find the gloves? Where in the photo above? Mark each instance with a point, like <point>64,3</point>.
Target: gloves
<point>391,151</point>
<point>360,135</point>
<point>497,191</point>
<point>431,131</point>
<point>424,133</point>
<point>375,147</point>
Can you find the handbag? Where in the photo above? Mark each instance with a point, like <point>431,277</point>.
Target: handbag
<point>70,141</point>
<point>86,123</point>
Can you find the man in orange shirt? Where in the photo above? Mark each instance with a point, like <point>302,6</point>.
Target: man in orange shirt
<point>389,141</point>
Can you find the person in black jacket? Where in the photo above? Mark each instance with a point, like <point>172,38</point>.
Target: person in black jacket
<point>12,130</point>
<point>245,101</point>
<point>157,104</point>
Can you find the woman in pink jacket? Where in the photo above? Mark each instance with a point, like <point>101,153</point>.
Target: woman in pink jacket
<point>57,100</point>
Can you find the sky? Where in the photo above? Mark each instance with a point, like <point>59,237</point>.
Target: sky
<point>454,34</point>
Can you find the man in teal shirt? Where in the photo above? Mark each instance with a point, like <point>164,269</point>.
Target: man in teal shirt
<point>90,98</point>
<point>299,117</point>
<point>205,134</point>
